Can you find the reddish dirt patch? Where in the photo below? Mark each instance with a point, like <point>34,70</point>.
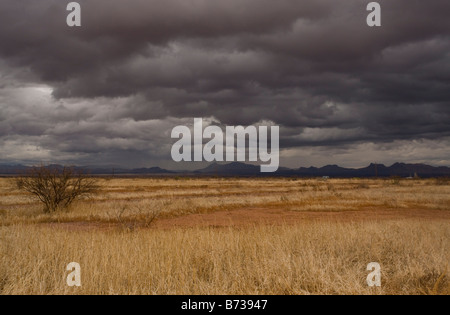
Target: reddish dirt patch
<point>80,226</point>
<point>257,216</point>
<point>263,216</point>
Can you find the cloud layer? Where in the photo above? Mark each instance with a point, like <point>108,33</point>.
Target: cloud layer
<point>110,91</point>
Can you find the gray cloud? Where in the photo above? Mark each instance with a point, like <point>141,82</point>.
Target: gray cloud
<point>111,90</point>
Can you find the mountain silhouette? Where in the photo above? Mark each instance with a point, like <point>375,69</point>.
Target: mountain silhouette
<point>243,169</point>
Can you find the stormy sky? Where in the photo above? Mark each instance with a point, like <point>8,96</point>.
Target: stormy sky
<point>110,92</point>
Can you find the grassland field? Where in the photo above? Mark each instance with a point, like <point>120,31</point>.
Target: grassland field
<point>231,236</point>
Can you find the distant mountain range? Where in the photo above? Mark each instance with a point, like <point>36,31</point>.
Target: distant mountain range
<point>242,169</point>
<point>373,170</point>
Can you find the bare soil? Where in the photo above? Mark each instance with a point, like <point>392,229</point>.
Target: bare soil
<point>267,216</point>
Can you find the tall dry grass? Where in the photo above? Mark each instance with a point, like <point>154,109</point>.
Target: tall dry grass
<point>314,257</point>
<point>309,258</point>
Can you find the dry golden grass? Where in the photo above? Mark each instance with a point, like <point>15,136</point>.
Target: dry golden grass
<point>311,257</point>
<point>174,197</point>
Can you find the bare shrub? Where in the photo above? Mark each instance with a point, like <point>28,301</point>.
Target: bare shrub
<point>396,180</point>
<point>3,215</point>
<point>150,217</point>
<point>442,181</point>
<point>363,185</point>
<point>55,187</point>
<point>126,225</point>
<point>130,220</point>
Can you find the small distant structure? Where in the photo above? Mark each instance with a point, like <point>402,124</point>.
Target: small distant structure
<point>325,177</point>
<point>416,176</point>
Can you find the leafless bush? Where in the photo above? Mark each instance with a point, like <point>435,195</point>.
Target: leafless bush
<point>3,215</point>
<point>442,181</point>
<point>150,217</point>
<point>396,180</point>
<point>135,218</point>
<point>363,185</point>
<point>55,187</point>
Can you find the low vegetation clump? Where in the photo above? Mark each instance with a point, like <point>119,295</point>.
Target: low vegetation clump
<point>56,188</point>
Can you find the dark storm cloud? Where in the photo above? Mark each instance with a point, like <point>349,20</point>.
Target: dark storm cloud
<point>313,67</point>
